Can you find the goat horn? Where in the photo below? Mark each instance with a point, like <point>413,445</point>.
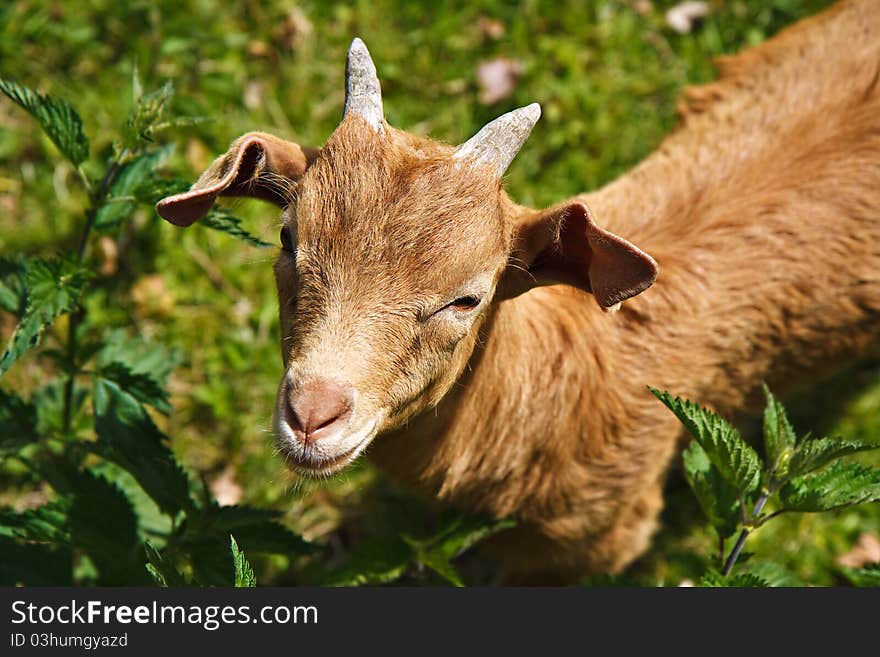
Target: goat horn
<point>498,142</point>
<point>363,95</point>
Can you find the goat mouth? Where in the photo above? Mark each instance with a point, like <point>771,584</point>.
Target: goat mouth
<point>315,463</point>
<point>319,466</point>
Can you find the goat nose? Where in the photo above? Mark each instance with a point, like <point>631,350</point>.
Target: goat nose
<point>318,409</point>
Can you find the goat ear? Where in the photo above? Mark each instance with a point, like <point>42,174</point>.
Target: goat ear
<point>257,164</point>
<point>565,245</point>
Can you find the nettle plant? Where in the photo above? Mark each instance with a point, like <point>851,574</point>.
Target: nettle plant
<point>740,492</point>
<point>119,499</point>
<point>121,509</point>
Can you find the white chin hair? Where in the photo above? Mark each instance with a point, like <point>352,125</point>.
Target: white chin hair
<point>323,457</point>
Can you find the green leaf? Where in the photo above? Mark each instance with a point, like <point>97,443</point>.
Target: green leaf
<point>90,515</point>
<point>149,111</point>
<point>264,537</point>
<point>49,402</point>
<point>868,577</point>
<point>388,558</point>
<point>840,485</point>
<point>152,359</point>
<point>54,287</point>
<point>717,498</point>
<point>152,191</point>
<point>206,539</point>
<point>464,532</point>
<point>57,118</point>
<point>128,437</point>
<point>162,572</point>
<point>373,562</point>
<point>224,221</point>
<point>142,387</point>
<point>814,453</point>
<point>264,533</point>
<point>467,531</point>
<point>13,284</point>
<point>779,436</point>
<point>244,574</point>
<point>151,115</point>
<point>18,421</point>
<point>102,523</point>
<point>734,458</point>
<point>442,566</point>
<point>742,580</point>
<point>153,523</point>
<point>771,573</point>
<point>121,201</point>
<point>45,524</point>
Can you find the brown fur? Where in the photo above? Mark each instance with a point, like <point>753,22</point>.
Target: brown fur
<point>762,210</point>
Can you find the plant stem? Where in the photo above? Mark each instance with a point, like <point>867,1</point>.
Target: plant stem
<point>743,535</point>
<point>96,199</point>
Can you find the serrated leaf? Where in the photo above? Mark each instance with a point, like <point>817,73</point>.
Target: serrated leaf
<point>734,458</point>
<point>141,386</point>
<point>45,524</point>
<point>244,574</point>
<point>151,114</point>
<point>771,573</point>
<point>717,497</point>
<point>742,580</point>
<point>465,532</point>
<point>140,356</point>
<point>437,552</point>
<point>373,562</point>
<point>128,437</point>
<point>779,435</point>
<point>209,563</point>
<point>56,117</point>
<point>840,485</point>
<point>152,191</point>
<point>13,284</point>
<point>149,110</point>
<point>54,287</point>
<point>163,572</point>
<point>93,516</point>
<point>153,523</point>
<point>102,523</point>
<point>814,453</point>
<point>264,537</point>
<point>121,201</point>
<point>224,221</point>
<point>868,577</point>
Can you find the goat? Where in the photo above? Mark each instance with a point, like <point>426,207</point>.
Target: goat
<point>462,336</point>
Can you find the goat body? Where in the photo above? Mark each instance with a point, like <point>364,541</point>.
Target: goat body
<point>762,210</point>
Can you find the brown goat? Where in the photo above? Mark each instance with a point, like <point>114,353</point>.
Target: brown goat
<point>422,308</point>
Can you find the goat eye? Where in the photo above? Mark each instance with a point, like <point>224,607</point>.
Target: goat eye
<point>465,303</point>
<point>286,239</point>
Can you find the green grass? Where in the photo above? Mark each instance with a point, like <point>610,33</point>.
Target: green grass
<point>607,75</point>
